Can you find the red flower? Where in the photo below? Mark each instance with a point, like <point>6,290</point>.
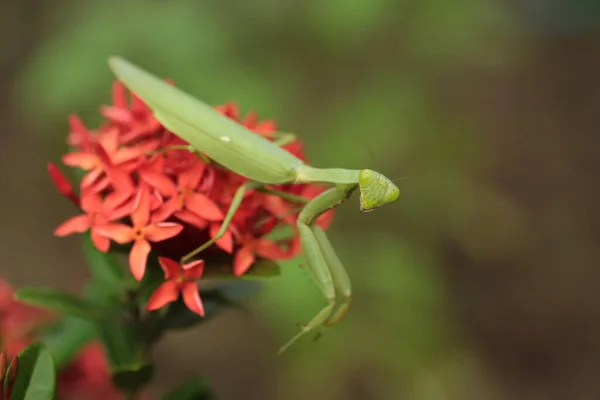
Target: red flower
<point>136,121</point>
<point>265,128</point>
<point>102,159</point>
<point>253,246</point>
<point>19,323</point>
<point>141,233</point>
<point>178,279</point>
<point>98,213</point>
<point>62,184</point>
<point>87,377</point>
<point>186,202</point>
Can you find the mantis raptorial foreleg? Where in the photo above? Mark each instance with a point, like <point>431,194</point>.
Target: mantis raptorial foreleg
<point>322,264</point>
<point>341,280</point>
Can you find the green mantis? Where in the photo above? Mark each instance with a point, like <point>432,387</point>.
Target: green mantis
<point>265,163</point>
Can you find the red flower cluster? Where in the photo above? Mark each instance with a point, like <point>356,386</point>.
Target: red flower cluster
<point>85,377</point>
<point>142,187</point>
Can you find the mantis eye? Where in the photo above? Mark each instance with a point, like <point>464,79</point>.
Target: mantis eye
<point>365,177</point>
<point>391,195</point>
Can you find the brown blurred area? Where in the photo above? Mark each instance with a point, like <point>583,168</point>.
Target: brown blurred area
<point>532,305</point>
<point>522,266</point>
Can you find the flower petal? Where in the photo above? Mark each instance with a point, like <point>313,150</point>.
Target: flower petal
<point>101,242</point>
<point>193,270</point>
<point>190,179</point>
<point>115,114</point>
<point>204,207</point>
<point>91,202</point>
<point>156,200</point>
<point>79,132</point>
<point>226,241</point>
<point>170,267</point>
<point>166,293</point>
<point>108,139</point>
<point>207,181</point>
<point>115,199</point>
<point>295,247</point>
<point>120,179</point>
<point>120,233</point>
<point>192,219</point>
<point>119,94</point>
<point>191,297</point>
<point>166,210</point>
<point>243,261</point>
<point>266,128</point>
<point>82,160</point>
<point>325,219</point>
<point>121,211</point>
<point>62,183</point>
<point>160,182</point>
<point>126,155</point>
<point>91,177</point>
<point>141,208</point>
<point>77,224</point>
<point>269,250</point>
<point>100,185</point>
<point>138,257</point>
<point>251,120</point>
<point>162,231</point>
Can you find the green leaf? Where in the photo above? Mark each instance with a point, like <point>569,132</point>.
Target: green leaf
<point>123,345</point>
<point>193,389</point>
<point>63,303</point>
<point>36,376</point>
<point>67,337</point>
<point>134,378</point>
<point>215,300</point>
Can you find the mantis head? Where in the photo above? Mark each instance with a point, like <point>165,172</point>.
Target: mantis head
<point>376,190</point>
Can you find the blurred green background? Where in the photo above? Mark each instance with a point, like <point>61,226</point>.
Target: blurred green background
<point>481,283</point>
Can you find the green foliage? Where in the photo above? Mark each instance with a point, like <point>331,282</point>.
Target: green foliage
<point>105,268</point>
<point>35,375</point>
<point>64,303</point>
<point>193,389</point>
<point>67,337</point>
<point>133,378</point>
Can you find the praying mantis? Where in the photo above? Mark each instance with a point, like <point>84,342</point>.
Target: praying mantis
<point>264,163</point>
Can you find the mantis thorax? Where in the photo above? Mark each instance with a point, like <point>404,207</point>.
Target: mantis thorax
<point>376,190</point>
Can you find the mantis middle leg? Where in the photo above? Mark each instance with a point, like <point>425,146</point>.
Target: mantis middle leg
<point>235,204</point>
<point>322,264</point>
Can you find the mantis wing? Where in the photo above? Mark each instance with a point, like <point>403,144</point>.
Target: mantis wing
<point>222,139</point>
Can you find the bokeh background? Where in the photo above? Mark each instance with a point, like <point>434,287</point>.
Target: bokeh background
<point>481,283</point>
